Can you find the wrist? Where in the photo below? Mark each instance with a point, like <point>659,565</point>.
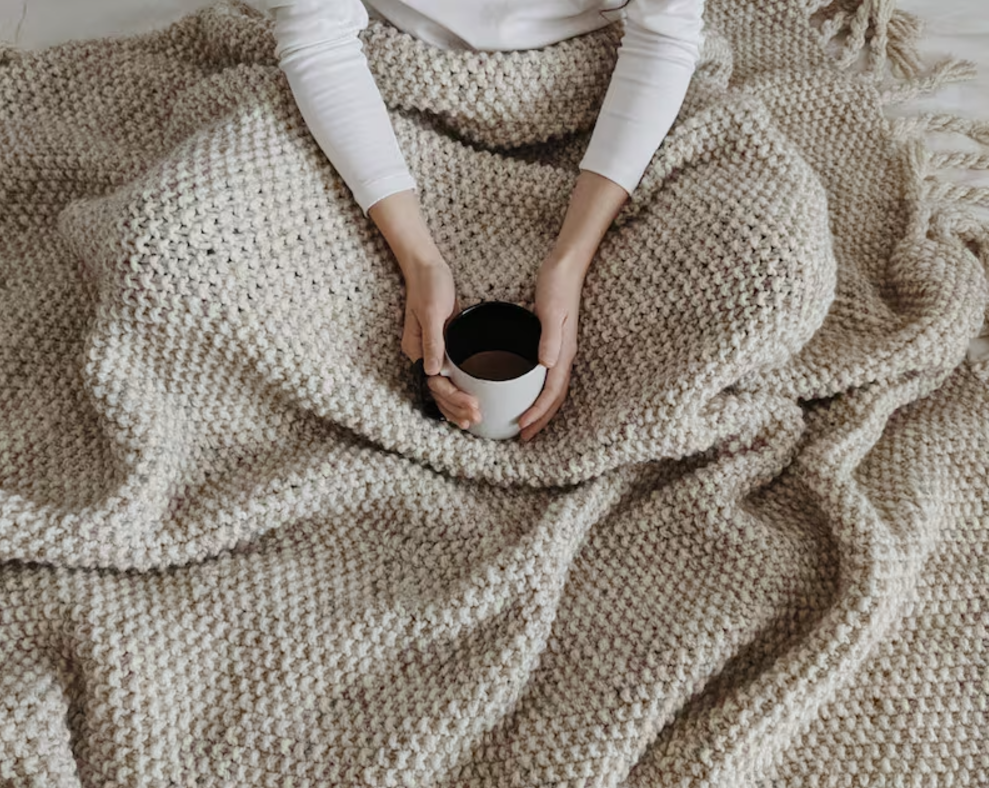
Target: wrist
<point>569,260</point>
<point>400,220</point>
<point>593,206</point>
<point>420,259</point>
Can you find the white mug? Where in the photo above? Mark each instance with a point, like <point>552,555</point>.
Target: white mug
<point>492,326</point>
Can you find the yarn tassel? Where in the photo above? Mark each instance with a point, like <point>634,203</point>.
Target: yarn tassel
<point>876,26</point>
<point>891,39</point>
<point>926,164</point>
<point>977,130</point>
<point>958,160</point>
<point>943,73</point>
<point>947,192</point>
<point>943,192</point>
<point>904,36</point>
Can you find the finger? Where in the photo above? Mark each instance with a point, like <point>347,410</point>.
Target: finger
<point>534,429</point>
<point>432,343</point>
<point>455,412</point>
<point>551,338</point>
<point>556,381</point>
<point>443,389</point>
<point>454,417</point>
<point>412,338</point>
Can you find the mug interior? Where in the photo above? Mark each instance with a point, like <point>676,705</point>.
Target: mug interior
<point>493,325</point>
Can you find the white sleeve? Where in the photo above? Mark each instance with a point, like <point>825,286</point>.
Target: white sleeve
<point>320,53</point>
<point>657,58</point>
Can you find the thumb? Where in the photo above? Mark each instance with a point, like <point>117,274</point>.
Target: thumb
<point>551,340</point>
<point>432,345</point>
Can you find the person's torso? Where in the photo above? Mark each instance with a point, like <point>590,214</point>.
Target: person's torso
<point>497,25</point>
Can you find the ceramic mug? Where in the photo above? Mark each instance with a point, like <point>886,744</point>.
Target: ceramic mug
<point>492,353</point>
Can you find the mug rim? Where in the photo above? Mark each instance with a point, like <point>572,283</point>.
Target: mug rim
<point>473,307</point>
<point>480,304</point>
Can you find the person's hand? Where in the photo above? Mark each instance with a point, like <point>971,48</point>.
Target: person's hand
<point>594,204</point>
<point>558,308</point>
<point>430,303</point>
<point>430,298</point>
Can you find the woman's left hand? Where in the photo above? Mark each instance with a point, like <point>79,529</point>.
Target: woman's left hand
<point>558,308</point>
<point>593,206</point>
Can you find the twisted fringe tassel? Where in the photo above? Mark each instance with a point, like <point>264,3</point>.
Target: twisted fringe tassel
<point>957,160</point>
<point>943,73</point>
<point>977,130</point>
<point>926,165</point>
<point>890,35</point>
<point>931,192</point>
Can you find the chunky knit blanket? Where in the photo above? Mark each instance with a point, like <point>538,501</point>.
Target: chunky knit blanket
<point>751,548</point>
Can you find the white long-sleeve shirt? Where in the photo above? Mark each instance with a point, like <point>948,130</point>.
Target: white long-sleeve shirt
<point>347,117</point>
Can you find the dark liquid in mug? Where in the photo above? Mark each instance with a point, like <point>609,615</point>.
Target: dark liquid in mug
<point>496,365</point>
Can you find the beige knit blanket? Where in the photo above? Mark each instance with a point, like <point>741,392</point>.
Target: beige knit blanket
<point>750,550</point>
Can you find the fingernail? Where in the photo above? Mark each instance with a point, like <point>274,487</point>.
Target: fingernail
<point>464,425</point>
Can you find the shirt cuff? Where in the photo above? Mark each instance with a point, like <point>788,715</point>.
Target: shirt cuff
<point>605,163</point>
<point>630,130</point>
<point>368,194</point>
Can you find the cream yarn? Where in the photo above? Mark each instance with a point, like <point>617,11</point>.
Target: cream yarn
<point>749,550</point>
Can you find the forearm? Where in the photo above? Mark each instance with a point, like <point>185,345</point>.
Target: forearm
<point>400,220</point>
<point>594,204</point>
<point>655,64</point>
<point>320,52</point>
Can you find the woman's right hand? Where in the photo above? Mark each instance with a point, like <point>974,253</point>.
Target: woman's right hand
<point>430,303</point>
<point>430,298</point>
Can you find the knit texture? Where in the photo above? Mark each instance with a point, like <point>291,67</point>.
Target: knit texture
<point>749,550</point>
